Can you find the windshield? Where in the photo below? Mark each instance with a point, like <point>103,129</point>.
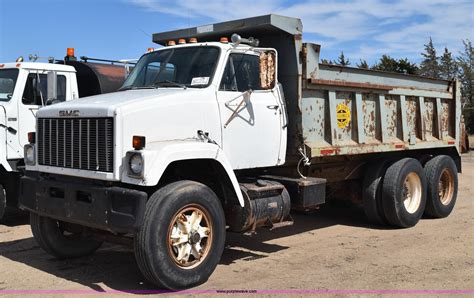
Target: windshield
<point>8,79</point>
<point>178,67</point>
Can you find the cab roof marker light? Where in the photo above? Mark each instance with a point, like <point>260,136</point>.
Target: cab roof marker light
<point>193,40</point>
<point>70,52</point>
<point>224,40</point>
<point>171,43</point>
<point>181,41</point>
<point>150,50</point>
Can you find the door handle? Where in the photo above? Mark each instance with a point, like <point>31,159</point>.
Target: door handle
<point>273,107</point>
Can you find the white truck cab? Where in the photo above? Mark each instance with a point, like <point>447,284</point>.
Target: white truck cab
<point>25,87</point>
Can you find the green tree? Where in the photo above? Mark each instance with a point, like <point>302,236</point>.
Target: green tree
<point>386,63</point>
<point>466,75</point>
<point>341,60</point>
<point>448,66</point>
<point>405,66</point>
<point>325,61</point>
<point>429,67</point>
<point>363,64</point>
<point>465,72</point>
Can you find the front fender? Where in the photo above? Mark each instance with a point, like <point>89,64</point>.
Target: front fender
<point>158,156</point>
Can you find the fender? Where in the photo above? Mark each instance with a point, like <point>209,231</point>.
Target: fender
<point>159,155</point>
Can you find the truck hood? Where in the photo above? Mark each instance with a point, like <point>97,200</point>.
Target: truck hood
<point>107,105</point>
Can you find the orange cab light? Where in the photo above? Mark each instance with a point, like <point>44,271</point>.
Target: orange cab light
<point>150,50</point>
<point>18,65</point>
<point>138,142</point>
<point>2,65</point>
<point>181,41</point>
<point>193,40</point>
<point>70,52</point>
<point>31,137</point>
<point>224,40</point>
<point>171,43</point>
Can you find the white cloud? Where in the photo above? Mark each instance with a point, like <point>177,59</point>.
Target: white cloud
<point>368,28</point>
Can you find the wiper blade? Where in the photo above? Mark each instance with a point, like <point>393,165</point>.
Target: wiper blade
<point>169,83</point>
<point>136,88</point>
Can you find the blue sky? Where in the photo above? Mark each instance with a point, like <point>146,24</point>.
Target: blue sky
<point>120,29</point>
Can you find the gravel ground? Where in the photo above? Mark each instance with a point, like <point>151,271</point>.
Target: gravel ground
<point>331,249</point>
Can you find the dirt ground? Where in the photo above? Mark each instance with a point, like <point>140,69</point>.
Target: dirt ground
<point>331,249</point>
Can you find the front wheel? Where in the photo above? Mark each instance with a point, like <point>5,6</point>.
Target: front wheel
<point>61,239</point>
<point>182,237</point>
<point>3,201</point>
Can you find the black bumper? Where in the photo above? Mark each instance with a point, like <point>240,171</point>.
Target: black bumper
<point>111,208</point>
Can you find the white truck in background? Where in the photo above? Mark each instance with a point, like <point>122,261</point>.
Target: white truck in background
<point>24,90</point>
<point>215,132</point>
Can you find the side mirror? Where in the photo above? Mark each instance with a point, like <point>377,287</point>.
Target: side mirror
<point>267,70</point>
<point>52,94</point>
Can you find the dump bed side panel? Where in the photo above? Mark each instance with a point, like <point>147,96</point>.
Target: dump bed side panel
<point>347,111</point>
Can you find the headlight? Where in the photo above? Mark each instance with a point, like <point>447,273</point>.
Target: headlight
<point>29,155</point>
<point>136,164</point>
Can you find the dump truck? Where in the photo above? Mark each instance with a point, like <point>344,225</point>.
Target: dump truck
<point>230,127</point>
<point>24,89</point>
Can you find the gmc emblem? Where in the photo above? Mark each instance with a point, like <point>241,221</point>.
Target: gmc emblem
<point>69,113</point>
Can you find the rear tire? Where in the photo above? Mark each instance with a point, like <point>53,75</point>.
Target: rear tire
<point>372,192</point>
<point>404,193</point>
<point>55,240</point>
<point>442,177</point>
<point>182,237</point>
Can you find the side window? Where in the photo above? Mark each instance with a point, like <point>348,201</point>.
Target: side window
<point>61,88</point>
<point>241,73</point>
<point>36,89</point>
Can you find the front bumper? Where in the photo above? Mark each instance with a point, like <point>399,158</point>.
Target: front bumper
<point>80,201</point>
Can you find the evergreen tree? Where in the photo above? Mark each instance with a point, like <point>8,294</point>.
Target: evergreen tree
<point>386,63</point>
<point>341,60</point>
<point>466,76</point>
<point>363,64</point>
<point>405,66</point>
<point>429,67</point>
<point>325,61</point>
<point>466,71</point>
<point>448,66</point>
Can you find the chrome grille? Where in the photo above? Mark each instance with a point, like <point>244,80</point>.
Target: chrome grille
<point>76,143</point>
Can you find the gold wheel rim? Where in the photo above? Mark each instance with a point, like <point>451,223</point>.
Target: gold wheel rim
<point>189,236</point>
<point>412,192</point>
<point>446,187</point>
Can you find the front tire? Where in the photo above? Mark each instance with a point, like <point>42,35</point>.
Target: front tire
<point>404,193</point>
<point>3,201</point>
<point>60,239</point>
<point>182,237</point>
<point>442,177</point>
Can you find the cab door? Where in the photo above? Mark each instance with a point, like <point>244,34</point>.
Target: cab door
<point>250,115</point>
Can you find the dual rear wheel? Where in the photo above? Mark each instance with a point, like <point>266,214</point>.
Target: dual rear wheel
<point>399,193</point>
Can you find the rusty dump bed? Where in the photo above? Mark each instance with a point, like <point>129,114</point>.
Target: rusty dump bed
<point>335,110</point>
<point>352,111</point>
